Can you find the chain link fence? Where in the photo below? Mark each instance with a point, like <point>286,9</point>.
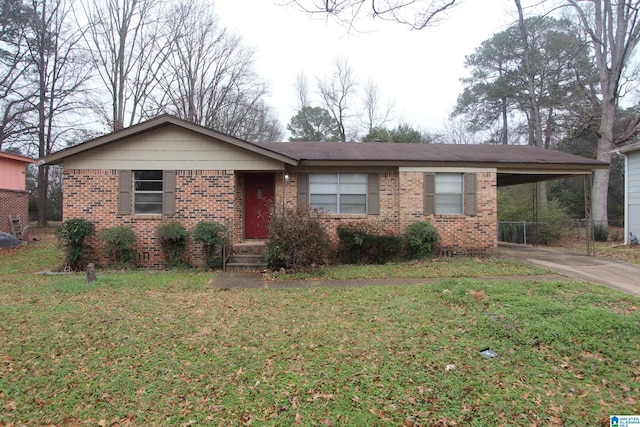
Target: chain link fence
<point>538,233</point>
<point>524,232</point>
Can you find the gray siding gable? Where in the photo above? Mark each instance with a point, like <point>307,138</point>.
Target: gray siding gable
<point>633,192</point>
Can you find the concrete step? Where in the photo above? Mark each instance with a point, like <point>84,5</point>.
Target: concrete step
<point>245,267</point>
<point>246,259</point>
<point>247,256</point>
<point>250,247</point>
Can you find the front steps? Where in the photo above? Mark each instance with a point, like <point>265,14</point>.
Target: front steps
<point>247,256</point>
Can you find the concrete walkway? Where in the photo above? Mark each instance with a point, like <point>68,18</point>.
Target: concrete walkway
<point>564,266</point>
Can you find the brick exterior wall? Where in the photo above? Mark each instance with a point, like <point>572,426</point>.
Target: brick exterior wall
<point>200,196</point>
<point>214,195</point>
<point>402,203</point>
<point>13,202</point>
<point>459,234</point>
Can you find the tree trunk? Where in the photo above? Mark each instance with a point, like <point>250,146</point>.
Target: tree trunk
<point>600,188</point>
<point>43,188</point>
<point>505,121</point>
<point>535,120</point>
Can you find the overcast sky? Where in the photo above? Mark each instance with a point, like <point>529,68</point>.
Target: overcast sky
<point>419,70</point>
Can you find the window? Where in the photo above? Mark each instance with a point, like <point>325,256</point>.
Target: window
<point>449,193</point>
<point>147,192</point>
<point>338,193</point>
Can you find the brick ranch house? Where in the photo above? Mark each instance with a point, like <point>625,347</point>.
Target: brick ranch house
<point>14,199</point>
<point>167,169</point>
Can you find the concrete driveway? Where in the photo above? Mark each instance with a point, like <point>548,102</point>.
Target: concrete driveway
<point>617,275</point>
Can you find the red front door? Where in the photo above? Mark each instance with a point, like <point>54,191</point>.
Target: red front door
<point>258,198</point>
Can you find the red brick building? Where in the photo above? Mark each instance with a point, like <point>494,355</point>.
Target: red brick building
<point>14,199</point>
<point>168,169</point>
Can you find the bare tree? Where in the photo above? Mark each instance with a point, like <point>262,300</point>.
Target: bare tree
<point>378,115</point>
<point>337,92</point>
<point>260,123</point>
<point>208,77</point>
<point>456,131</point>
<point>614,31</point>
<point>416,14</point>
<point>302,91</point>
<point>129,43</point>
<point>59,74</point>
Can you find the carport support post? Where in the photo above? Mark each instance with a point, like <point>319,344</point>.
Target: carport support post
<point>591,249</point>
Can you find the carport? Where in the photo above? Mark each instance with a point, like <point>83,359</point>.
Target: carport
<point>534,173</point>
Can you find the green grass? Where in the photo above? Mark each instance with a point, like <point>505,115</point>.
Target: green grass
<point>161,348</point>
<point>439,268</point>
<point>612,250</point>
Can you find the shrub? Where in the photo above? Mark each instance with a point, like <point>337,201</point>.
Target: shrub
<point>119,243</point>
<point>297,239</point>
<point>173,240</point>
<point>385,248</point>
<point>72,235</point>
<point>366,243</point>
<point>422,240</point>
<point>211,235</point>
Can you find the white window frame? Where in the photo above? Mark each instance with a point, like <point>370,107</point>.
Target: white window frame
<point>342,189</point>
<point>139,194</point>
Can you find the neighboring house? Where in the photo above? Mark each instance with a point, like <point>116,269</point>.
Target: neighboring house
<point>14,199</point>
<point>169,169</point>
<point>631,192</point>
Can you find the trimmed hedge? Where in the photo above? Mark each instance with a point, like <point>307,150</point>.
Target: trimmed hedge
<point>365,243</point>
<point>72,235</point>
<point>422,240</point>
<point>173,240</point>
<point>119,243</point>
<point>211,235</point>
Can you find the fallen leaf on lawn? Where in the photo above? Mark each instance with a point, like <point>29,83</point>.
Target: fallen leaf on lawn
<point>557,408</point>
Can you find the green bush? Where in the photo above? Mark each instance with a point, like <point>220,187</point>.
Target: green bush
<point>72,235</point>
<point>119,243</point>
<point>422,240</point>
<point>173,240</point>
<point>211,235</point>
<point>297,239</point>
<point>366,243</point>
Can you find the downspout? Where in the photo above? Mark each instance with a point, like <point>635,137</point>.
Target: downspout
<point>626,200</point>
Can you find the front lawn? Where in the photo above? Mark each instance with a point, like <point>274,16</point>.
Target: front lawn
<point>440,268</point>
<point>161,348</point>
<point>611,250</point>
